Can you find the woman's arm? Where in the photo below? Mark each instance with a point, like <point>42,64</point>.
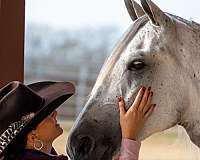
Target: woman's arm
<point>129,149</point>
<point>132,121</point>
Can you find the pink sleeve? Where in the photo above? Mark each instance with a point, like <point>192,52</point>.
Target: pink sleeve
<point>129,150</point>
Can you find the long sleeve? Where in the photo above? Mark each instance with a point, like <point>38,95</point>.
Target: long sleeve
<point>129,150</point>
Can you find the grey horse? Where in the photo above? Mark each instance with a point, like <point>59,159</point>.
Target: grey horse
<point>158,50</point>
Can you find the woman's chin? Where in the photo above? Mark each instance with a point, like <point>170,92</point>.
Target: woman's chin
<point>59,129</point>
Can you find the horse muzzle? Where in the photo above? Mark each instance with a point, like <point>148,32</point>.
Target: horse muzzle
<point>96,135</point>
<point>87,148</point>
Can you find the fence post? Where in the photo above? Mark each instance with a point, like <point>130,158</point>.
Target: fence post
<point>12,22</point>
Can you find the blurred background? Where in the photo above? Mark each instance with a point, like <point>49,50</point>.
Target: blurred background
<point>69,40</point>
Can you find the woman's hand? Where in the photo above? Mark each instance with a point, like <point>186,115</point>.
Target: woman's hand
<point>133,120</point>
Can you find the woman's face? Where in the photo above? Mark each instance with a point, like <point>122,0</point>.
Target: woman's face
<point>48,130</point>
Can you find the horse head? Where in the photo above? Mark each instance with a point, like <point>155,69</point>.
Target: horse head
<point>158,50</point>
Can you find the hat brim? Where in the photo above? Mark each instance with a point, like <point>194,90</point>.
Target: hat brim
<point>54,94</point>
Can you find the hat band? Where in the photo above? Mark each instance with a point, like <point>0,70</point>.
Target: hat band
<point>9,134</point>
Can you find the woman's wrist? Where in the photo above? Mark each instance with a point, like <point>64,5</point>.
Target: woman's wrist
<point>127,136</point>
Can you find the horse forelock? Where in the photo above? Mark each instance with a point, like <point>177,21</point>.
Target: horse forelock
<point>118,49</point>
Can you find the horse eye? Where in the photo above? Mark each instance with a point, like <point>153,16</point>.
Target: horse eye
<point>136,65</point>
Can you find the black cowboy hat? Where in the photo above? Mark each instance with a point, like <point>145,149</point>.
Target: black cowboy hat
<point>23,106</point>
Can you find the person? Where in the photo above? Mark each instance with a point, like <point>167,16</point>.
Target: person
<point>29,125</point>
<point>28,119</point>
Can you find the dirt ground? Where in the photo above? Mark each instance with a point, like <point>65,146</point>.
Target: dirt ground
<point>172,144</point>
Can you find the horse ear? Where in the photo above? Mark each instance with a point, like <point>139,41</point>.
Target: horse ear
<point>138,9</point>
<point>155,14</point>
<point>130,9</point>
<point>134,9</point>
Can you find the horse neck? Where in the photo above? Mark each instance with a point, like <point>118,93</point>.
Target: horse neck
<point>188,47</point>
<point>190,119</point>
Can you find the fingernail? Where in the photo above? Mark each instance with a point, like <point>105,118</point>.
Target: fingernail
<point>154,105</point>
<point>151,93</point>
<point>119,99</point>
<point>149,88</point>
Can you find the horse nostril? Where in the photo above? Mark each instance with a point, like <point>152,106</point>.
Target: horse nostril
<point>86,145</point>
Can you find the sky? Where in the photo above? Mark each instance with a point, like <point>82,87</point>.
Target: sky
<point>63,14</point>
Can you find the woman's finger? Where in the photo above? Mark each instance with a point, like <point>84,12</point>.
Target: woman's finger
<point>121,104</point>
<point>148,104</point>
<point>144,99</point>
<point>149,112</point>
<point>138,99</point>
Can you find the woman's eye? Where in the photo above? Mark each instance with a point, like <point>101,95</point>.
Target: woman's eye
<point>136,65</point>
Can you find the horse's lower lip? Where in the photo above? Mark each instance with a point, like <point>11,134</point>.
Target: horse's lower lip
<point>107,154</point>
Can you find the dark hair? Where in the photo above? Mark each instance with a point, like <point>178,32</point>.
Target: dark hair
<point>18,146</point>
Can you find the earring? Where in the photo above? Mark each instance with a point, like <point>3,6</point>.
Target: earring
<point>38,145</point>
